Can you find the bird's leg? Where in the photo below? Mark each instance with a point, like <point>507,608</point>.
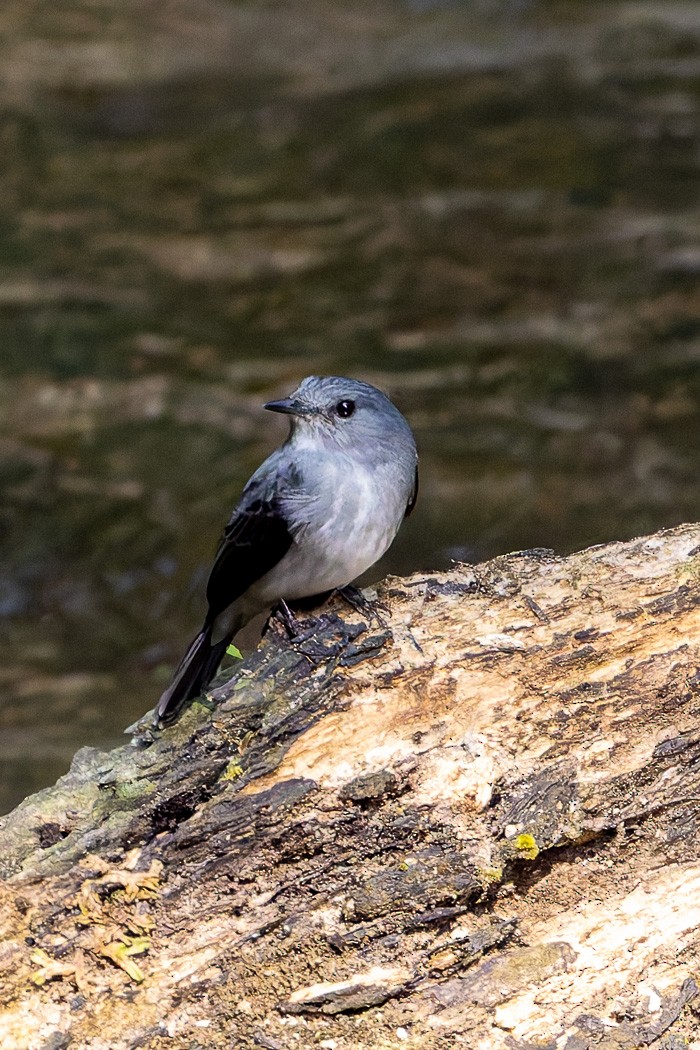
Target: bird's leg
<point>284,615</point>
<point>357,601</point>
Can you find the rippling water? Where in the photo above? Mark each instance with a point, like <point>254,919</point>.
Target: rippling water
<point>489,209</point>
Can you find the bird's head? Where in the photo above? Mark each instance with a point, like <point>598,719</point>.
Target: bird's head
<point>334,411</point>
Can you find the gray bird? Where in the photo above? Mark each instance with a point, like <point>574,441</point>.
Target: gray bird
<point>318,512</point>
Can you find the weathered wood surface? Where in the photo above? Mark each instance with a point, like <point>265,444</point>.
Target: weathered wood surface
<point>475,825</point>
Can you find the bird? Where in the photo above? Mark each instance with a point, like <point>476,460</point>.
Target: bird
<point>318,512</point>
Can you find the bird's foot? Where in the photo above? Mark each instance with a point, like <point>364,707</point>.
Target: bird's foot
<point>284,620</point>
<point>283,615</point>
<point>372,610</point>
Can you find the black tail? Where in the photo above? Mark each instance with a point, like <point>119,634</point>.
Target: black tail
<point>194,673</point>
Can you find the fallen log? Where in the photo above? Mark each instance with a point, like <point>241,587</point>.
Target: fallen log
<point>470,819</point>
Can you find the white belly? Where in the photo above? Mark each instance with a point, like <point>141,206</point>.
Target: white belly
<point>321,559</point>
<point>343,535</point>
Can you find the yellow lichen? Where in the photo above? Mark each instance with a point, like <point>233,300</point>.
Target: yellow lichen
<point>233,770</point>
<point>121,950</point>
<point>124,884</point>
<point>49,969</point>
<point>526,846</point>
<point>489,875</point>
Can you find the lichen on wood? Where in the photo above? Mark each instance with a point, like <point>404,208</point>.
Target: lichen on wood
<point>472,816</point>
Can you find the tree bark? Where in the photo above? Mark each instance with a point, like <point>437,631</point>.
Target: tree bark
<point>469,818</point>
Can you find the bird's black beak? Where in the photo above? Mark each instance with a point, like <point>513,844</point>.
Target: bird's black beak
<point>289,406</point>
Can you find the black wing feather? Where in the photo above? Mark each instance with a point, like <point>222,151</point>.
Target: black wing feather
<point>255,539</point>
<point>413,497</point>
<point>253,542</point>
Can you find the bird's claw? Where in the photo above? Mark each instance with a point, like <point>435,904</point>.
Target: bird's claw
<point>296,630</point>
<point>284,616</point>
<point>371,610</point>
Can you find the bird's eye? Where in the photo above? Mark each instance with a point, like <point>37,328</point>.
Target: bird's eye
<point>345,409</point>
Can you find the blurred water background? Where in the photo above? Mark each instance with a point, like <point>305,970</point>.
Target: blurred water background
<point>489,208</point>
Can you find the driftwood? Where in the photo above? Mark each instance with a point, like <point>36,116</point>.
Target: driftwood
<point>472,822</point>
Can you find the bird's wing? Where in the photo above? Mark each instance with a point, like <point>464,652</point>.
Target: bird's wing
<point>256,538</point>
<point>413,497</point>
